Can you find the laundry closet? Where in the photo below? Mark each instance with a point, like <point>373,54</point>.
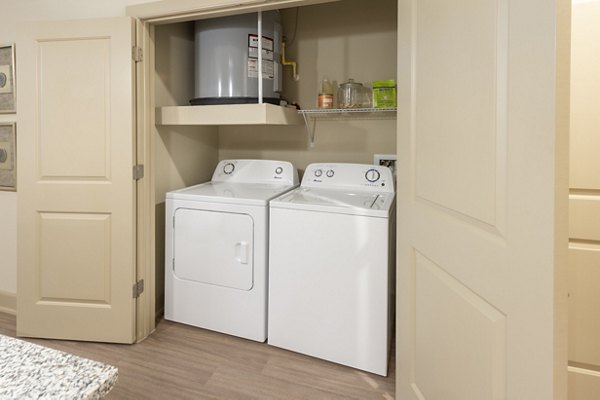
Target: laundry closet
<point>340,40</point>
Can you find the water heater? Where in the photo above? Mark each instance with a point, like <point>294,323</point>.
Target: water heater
<point>226,59</point>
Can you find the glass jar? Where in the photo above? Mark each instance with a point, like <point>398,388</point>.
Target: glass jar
<point>352,94</point>
<point>325,98</point>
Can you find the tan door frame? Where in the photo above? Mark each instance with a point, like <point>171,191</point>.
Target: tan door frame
<point>145,224</point>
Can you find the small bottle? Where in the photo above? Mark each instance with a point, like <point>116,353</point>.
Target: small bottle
<point>325,99</point>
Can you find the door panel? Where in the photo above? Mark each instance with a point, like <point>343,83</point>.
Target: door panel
<point>461,108</point>
<point>76,236</point>
<point>74,257</point>
<point>585,86</point>
<point>481,200</point>
<point>79,69</point>
<point>584,214</point>
<point>473,331</point>
<point>584,303</point>
<point>584,384</point>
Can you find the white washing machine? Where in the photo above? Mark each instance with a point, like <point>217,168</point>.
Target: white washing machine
<point>216,247</point>
<point>331,258</point>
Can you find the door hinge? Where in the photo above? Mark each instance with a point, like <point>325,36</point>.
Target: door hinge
<point>137,54</point>
<point>138,172</point>
<point>138,288</point>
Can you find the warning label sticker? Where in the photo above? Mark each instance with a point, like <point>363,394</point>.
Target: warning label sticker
<point>268,66</point>
<point>268,69</point>
<point>267,42</point>
<point>266,54</point>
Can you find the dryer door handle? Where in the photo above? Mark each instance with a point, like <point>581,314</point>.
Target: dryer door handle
<point>241,250</point>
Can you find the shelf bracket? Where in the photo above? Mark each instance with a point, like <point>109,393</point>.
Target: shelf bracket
<point>310,129</point>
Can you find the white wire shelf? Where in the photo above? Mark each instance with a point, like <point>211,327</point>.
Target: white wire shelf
<point>312,115</point>
<point>335,111</point>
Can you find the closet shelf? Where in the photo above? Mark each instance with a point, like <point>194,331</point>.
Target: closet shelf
<point>228,114</point>
<point>350,112</point>
<point>313,115</point>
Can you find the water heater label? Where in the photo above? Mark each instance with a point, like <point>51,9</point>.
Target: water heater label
<point>266,54</point>
<point>267,42</point>
<point>268,69</point>
<point>268,66</point>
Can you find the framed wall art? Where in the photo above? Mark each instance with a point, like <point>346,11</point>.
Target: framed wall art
<point>7,79</point>
<point>8,156</point>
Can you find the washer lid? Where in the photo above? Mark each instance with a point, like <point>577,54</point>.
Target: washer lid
<point>232,193</point>
<point>370,204</point>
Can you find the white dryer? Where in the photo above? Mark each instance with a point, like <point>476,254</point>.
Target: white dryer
<point>216,247</point>
<point>331,258</point>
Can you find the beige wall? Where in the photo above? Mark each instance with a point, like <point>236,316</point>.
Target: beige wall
<point>8,242</point>
<point>354,39</point>
<point>12,15</point>
<point>584,232</point>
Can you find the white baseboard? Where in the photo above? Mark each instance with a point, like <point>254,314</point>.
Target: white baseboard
<point>8,303</point>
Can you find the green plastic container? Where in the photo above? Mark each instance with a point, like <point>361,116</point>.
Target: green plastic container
<point>384,93</point>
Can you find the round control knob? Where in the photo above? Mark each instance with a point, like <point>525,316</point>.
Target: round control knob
<point>278,170</point>
<point>228,168</point>
<point>318,173</point>
<point>329,173</point>
<point>372,175</point>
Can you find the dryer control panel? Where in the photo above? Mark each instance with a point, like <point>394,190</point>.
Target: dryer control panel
<point>374,178</point>
<point>256,171</point>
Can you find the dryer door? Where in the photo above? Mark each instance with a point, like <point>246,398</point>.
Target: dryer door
<point>213,247</point>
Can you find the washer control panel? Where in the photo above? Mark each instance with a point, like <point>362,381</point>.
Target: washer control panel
<point>256,171</point>
<point>348,176</point>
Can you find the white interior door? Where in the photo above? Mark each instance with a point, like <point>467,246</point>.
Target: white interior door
<point>482,189</point>
<point>76,232</point>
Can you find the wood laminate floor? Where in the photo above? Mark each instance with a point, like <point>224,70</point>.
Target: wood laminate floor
<point>183,362</point>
